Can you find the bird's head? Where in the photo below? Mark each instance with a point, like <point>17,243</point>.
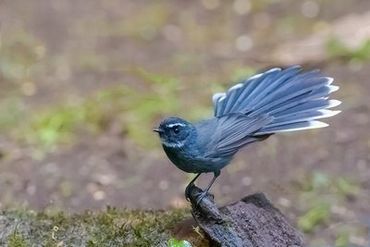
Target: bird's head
<point>174,132</point>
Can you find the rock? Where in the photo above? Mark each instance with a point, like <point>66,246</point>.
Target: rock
<point>252,221</point>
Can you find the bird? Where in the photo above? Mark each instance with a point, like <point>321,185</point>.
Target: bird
<point>275,101</point>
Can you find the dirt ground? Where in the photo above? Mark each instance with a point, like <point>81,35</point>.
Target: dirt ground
<point>60,53</point>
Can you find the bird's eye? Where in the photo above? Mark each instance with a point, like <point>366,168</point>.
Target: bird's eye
<point>176,130</point>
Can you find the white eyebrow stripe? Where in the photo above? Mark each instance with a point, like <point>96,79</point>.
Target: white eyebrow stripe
<point>176,124</point>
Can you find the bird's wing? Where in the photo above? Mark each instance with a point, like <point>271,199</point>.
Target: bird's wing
<point>233,131</point>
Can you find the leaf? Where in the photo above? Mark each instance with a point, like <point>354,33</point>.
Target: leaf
<point>178,243</point>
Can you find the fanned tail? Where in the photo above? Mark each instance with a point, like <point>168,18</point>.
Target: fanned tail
<point>294,99</point>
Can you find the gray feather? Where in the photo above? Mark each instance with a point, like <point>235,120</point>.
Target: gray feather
<point>234,131</point>
<point>294,100</point>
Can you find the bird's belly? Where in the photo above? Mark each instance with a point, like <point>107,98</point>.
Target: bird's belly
<point>195,164</point>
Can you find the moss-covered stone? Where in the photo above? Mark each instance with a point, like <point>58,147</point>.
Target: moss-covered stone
<point>15,240</point>
<point>109,228</point>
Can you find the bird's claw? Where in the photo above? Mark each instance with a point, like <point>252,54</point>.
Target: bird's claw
<point>200,197</point>
<point>187,191</point>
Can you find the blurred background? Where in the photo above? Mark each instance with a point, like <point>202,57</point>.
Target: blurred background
<point>82,84</point>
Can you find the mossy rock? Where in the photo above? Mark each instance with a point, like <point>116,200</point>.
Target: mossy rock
<point>112,227</point>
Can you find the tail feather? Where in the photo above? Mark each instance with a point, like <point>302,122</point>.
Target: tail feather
<point>262,83</point>
<point>283,87</point>
<point>293,98</point>
<point>281,98</point>
<point>236,98</point>
<point>292,127</point>
<point>318,94</point>
<point>308,106</point>
<point>272,82</point>
<point>303,116</point>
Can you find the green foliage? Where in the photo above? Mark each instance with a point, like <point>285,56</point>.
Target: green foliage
<point>319,192</point>
<point>337,49</point>
<point>342,239</point>
<point>161,98</point>
<point>314,217</point>
<point>345,187</point>
<point>55,125</point>
<point>320,182</point>
<point>133,108</point>
<point>178,243</point>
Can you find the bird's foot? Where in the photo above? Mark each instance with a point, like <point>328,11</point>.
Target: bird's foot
<point>187,191</point>
<point>200,197</point>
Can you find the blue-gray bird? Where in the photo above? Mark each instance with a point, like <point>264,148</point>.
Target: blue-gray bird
<point>271,102</point>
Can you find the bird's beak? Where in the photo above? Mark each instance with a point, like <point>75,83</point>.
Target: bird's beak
<point>158,130</point>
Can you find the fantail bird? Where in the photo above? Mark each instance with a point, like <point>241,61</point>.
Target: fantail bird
<point>271,102</point>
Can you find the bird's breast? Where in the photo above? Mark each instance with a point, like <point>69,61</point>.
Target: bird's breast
<point>192,162</point>
<point>180,158</point>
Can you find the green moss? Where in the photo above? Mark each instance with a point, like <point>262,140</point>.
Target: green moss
<point>16,240</point>
<point>337,49</point>
<point>109,228</point>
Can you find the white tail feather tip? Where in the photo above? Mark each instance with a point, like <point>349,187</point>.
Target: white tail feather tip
<point>217,96</point>
<point>312,125</point>
<point>328,113</point>
<point>317,124</point>
<point>239,85</point>
<point>330,80</point>
<point>333,88</point>
<point>255,76</point>
<point>334,103</point>
<point>273,69</point>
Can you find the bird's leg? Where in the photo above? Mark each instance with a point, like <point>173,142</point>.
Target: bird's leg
<point>204,193</point>
<point>187,190</point>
